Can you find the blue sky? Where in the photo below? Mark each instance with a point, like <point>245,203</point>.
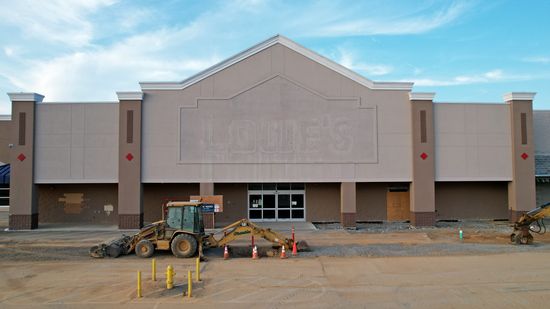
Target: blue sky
<point>86,50</point>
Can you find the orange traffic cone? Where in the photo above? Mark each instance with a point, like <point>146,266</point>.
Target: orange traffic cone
<point>255,253</point>
<point>283,253</point>
<point>294,249</point>
<point>225,253</point>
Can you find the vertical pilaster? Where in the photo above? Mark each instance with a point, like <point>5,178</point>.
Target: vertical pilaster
<point>130,190</point>
<point>521,190</point>
<point>422,188</point>
<point>23,193</point>
<point>348,204</point>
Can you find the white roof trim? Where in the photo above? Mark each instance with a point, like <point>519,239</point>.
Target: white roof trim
<point>5,117</point>
<point>278,39</point>
<point>422,96</point>
<point>25,96</point>
<point>129,95</point>
<point>526,96</point>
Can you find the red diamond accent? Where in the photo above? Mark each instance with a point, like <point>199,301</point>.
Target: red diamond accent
<point>424,156</point>
<point>21,157</point>
<point>524,156</point>
<point>129,157</point>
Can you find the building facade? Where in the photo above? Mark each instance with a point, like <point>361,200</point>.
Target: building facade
<point>541,122</point>
<point>283,134</point>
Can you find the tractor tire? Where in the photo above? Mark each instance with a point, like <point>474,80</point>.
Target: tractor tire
<point>145,248</point>
<point>113,251</point>
<point>184,246</point>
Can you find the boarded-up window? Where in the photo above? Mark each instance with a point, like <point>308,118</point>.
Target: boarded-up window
<point>22,126</point>
<point>129,127</point>
<point>423,133</point>
<point>523,128</point>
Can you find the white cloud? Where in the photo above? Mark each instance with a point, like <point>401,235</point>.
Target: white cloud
<point>98,73</point>
<point>348,59</point>
<point>487,77</point>
<point>9,51</point>
<point>538,59</point>
<point>396,21</point>
<point>53,20</point>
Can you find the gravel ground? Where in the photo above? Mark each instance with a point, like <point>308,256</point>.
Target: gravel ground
<point>386,227</point>
<point>438,249</point>
<point>482,237</point>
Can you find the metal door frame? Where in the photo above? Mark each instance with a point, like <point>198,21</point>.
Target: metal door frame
<point>276,194</point>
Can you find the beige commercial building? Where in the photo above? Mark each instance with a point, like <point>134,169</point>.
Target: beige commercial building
<point>283,134</point>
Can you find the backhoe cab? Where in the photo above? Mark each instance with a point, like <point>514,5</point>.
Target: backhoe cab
<point>181,231</point>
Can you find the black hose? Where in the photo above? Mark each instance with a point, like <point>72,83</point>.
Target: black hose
<point>540,227</point>
<point>535,227</point>
<point>543,226</point>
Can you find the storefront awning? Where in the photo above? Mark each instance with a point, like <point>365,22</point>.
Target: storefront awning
<point>5,174</point>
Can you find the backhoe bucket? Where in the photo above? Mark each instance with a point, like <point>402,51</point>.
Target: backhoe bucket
<point>113,248</point>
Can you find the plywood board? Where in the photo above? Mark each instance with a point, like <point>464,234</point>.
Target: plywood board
<point>397,204</point>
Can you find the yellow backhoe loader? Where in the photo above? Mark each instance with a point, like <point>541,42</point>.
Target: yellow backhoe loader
<point>532,221</point>
<point>182,232</point>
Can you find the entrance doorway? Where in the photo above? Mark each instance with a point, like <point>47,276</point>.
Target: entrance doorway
<point>276,202</point>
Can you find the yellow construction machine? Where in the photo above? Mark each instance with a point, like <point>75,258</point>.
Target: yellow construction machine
<point>182,232</point>
<point>532,221</point>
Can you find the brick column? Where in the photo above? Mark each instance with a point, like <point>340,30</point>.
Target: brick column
<point>348,204</point>
<point>23,193</point>
<point>130,191</point>
<point>521,190</point>
<point>422,189</point>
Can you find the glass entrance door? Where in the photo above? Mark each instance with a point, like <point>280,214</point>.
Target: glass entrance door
<point>283,206</point>
<point>276,202</point>
<point>297,206</point>
<point>270,207</point>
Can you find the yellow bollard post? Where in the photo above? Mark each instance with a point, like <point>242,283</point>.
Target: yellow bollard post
<point>189,284</point>
<point>170,277</point>
<point>198,270</point>
<point>154,270</point>
<point>138,284</point>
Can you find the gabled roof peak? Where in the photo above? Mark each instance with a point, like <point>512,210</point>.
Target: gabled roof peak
<point>277,39</point>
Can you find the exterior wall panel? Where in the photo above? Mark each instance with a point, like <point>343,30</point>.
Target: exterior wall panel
<point>371,201</point>
<point>471,200</point>
<point>76,143</point>
<point>78,203</point>
<point>472,142</point>
<point>5,133</point>
<point>235,202</point>
<point>323,202</point>
<point>541,127</point>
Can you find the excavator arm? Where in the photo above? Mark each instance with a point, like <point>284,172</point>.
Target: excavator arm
<point>244,227</point>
